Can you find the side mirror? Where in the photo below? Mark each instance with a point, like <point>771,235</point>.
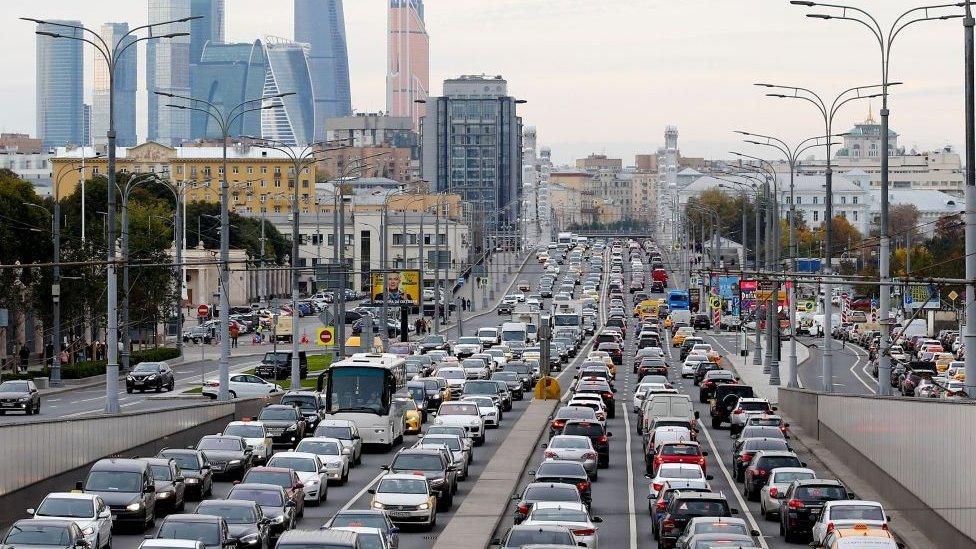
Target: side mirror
<point>709,477</point>
<point>704,453</point>
<point>544,445</point>
<point>105,514</point>
<point>888,518</point>
<point>299,485</point>
<point>803,464</point>
<point>31,511</point>
<point>179,479</point>
<point>609,434</point>
<point>814,544</point>
<point>496,541</point>
<point>697,414</point>
<point>733,511</point>
<point>596,520</point>
<point>384,467</point>
<point>734,436</point>
<point>371,491</point>
<point>774,408</point>
<point>149,490</point>
<point>291,503</point>
<point>755,533</point>
<point>787,425</point>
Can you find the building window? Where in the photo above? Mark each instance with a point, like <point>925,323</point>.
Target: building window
<point>179,170</point>
<point>250,169</point>
<point>816,200</point>
<point>94,170</point>
<point>331,240</point>
<point>855,215</point>
<point>277,170</point>
<point>843,200</point>
<point>305,183</point>
<point>193,172</point>
<point>264,169</point>
<point>816,215</point>
<point>235,170</point>
<point>799,199</point>
<point>206,171</point>
<point>854,200</point>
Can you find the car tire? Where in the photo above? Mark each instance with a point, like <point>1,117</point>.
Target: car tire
<point>28,411</point>
<point>171,386</point>
<point>159,387</point>
<point>716,423</point>
<point>442,504</point>
<point>128,390</point>
<point>233,394</point>
<point>433,522</point>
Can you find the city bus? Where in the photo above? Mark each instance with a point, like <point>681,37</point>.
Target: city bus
<point>369,389</point>
<point>678,300</point>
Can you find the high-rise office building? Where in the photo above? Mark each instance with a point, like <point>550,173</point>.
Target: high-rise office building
<point>472,145</point>
<point>208,29</point>
<point>60,86</point>
<point>322,25</point>
<point>408,60</point>
<point>86,125</point>
<point>227,75</point>
<point>168,70</point>
<point>126,68</point>
<point>293,121</point>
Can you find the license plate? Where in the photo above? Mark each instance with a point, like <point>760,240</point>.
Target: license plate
<point>815,512</point>
<point>399,514</point>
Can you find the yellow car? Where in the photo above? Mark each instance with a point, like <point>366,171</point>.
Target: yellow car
<point>714,357</point>
<point>412,419</point>
<point>866,535</point>
<point>445,389</point>
<point>679,337</point>
<point>942,361</point>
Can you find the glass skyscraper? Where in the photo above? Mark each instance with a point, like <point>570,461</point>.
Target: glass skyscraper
<point>227,75</point>
<point>208,29</point>
<point>125,90</point>
<point>60,86</point>
<point>322,25</point>
<point>168,70</point>
<point>288,71</point>
<point>408,60</point>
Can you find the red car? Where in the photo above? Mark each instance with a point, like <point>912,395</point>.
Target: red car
<point>659,275</point>
<point>679,452</point>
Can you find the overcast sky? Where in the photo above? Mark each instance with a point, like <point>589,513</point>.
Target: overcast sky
<point>602,76</point>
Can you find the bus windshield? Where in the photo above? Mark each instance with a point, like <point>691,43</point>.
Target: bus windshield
<point>566,319</point>
<point>357,389</point>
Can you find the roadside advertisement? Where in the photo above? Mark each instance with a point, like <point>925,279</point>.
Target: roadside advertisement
<point>748,289</point>
<point>726,287</point>
<point>694,298</point>
<point>402,287</point>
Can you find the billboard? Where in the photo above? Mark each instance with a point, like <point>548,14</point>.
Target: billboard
<point>403,287</point>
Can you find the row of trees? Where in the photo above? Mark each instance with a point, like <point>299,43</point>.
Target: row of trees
<point>26,238</point>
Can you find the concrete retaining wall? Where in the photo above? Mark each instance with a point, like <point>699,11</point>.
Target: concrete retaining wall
<point>916,453</point>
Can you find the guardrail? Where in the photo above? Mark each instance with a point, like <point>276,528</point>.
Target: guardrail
<point>916,453</point>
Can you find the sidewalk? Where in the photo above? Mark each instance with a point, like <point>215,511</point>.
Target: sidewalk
<point>482,295</point>
<point>753,375</point>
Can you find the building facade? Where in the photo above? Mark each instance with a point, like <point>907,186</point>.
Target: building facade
<point>228,75</point>
<point>472,145</point>
<point>209,29</point>
<point>321,24</point>
<point>372,130</point>
<point>126,75</point>
<point>408,60</point>
<point>292,122</point>
<point>168,70</point>
<point>60,85</point>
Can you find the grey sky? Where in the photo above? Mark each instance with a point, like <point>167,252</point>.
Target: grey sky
<point>603,75</point>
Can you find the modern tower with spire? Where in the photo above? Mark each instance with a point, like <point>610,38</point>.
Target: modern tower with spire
<point>408,60</point>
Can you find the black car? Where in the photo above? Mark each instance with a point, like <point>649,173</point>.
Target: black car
<point>420,397</point>
<point>685,506</point>
<point>602,388</point>
<point>245,521</point>
<point>701,322</point>
<point>657,287</point>
<point>277,507</point>
<point>310,404</point>
<point>543,491</point>
<point>19,396</point>
<point>566,472</point>
<point>687,345</point>
<point>433,343</point>
<point>598,435</point>
<point>433,390</point>
<point>366,518</point>
<point>127,487</point>
<point>170,484</point>
<point>764,461</point>
<point>724,399</point>
<point>745,448</point>
<point>46,534</point>
<point>434,465</point>
<point>507,308</point>
<point>703,368</point>
<point>150,375</point>
<point>711,380</point>
<point>285,423</point>
<point>195,469</point>
<point>210,530</point>
<point>277,365</point>
<point>804,501</point>
<point>228,455</point>
<point>514,382</point>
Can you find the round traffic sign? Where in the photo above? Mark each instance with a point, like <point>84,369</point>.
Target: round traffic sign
<point>326,336</point>
<point>203,309</point>
<point>809,305</point>
<point>715,302</point>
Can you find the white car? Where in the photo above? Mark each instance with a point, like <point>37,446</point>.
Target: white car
<point>330,453</point>
<point>595,404</point>
<point>310,471</point>
<point>255,435</point>
<point>772,493</point>
<point>690,364</point>
<point>406,498</point>
<point>346,432</point>
<point>367,537</point>
<point>242,385</point>
<point>676,471</point>
<point>846,514</point>
<point>744,409</point>
<point>463,414</point>
<point>574,516</point>
<point>88,511</point>
<point>455,378</point>
<point>467,346</point>
<point>488,337</point>
<point>490,412</point>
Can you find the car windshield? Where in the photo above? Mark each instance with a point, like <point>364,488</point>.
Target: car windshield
<point>753,431</point>
<point>13,387</point>
<point>277,478</point>
<point>206,532</point>
<point>418,462</point>
<point>453,374</point>
<point>469,341</point>
<point>304,465</point>
<point>473,363</point>
<point>305,402</point>
<point>261,497</point>
<point>161,472</point>
<point>402,486</point>
<point>505,376</point>
<point>358,520</point>
<point>856,512</point>
<point>113,481</point>
<point>585,429</point>
<point>450,409</point>
<point>342,433</point>
<point>555,492</point>
<point>219,444</point>
<point>66,507</point>
<point>233,514</point>
<point>575,412</point>
<point>245,431</point>
<point>820,493</point>
<point>784,477</point>
<point>146,368</point>
<point>417,393</point>
<point>453,443</point>
<point>704,508</point>
<point>555,468</point>
<point>370,540</point>
<point>436,340</point>
<point>322,448</point>
<point>754,406</point>
<point>721,528</point>
<point>778,461</point>
<point>678,472</point>
<point>766,421</point>
<point>679,450</point>
<point>277,414</point>
<point>187,462</point>
<point>765,444</point>
<point>559,515</point>
<point>573,443</point>
<point>30,534</point>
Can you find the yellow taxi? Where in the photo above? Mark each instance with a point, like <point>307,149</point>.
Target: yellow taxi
<point>714,357</point>
<point>605,357</point>
<point>679,336</point>
<point>942,361</point>
<point>646,308</point>
<point>592,294</point>
<point>860,536</point>
<point>445,389</point>
<point>412,418</point>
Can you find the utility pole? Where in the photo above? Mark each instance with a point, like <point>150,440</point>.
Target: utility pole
<point>969,337</point>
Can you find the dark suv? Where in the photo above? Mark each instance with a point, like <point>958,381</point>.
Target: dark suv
<point>277,365</point>
<point>566,472</point>
<point>598,435</point>
<point>150,375</point>
<point>433,465</point>
<point>804,501</point>
<point>285,423</point>
<point>724,399</point>
<point>127,487</point>
<point>762,463</point>
<point>309,403</point>
<point>685,506</point>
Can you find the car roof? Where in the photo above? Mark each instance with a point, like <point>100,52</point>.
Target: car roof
<point>182,543</point>
<point>318,537</point>
<point>266,469</point>
<point>701,495</point>
<point>192,517</point>
<point>71,495</point>
<point>774,453</point>
<point>120,464</point>
<point>576,506</point>
<point>157,460</point>
<point>231,502</point>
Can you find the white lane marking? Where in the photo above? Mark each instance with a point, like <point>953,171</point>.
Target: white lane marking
<point>857,357</point>
<point>362,492</point>
<point>744,506</point>
<point>631,508</point>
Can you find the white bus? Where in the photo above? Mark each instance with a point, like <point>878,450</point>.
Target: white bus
<point>369,389</point>
<point>565,240</point>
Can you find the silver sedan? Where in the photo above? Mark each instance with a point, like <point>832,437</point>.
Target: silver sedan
<point>573,448</point>
<point>780,478</point>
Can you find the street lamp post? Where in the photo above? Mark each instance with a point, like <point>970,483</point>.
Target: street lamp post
<point>111,54</point>
<point>828,111</point>
<point>885,41</point>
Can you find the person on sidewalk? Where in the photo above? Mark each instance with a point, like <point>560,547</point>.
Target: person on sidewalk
<point>24,358</point>
<point>235,332</point>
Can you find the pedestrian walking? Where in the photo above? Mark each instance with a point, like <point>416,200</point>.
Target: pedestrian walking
<point>464,305</point>
<point>235,332</point>
<point>24,358</point>
<point>418,325</point>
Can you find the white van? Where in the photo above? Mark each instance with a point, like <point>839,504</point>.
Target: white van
<point>665,405</point>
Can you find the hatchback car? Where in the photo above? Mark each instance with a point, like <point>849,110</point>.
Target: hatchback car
<point>89,512</point>
<point>542,491</point>
<point>406,498</point>
<point>573,448</point>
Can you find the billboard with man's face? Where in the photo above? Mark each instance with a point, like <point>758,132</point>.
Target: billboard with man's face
<point>401,287</point>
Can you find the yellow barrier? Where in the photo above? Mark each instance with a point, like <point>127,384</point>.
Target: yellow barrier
<point>547,389</point>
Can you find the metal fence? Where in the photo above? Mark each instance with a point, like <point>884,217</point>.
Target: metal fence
<point>32,452</point>
<point>916,453</point>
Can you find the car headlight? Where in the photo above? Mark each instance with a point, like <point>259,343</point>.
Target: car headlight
<point>130,378</point>
<point>291,427</point>
<point>346,450</point>
<point>378,505</point>
<point>312,482</point>
<point>164,495</point>
<point>423,506</point>
<point>192,480</point>
<point>88,531</point>
<point>25,399</point>
<point>150,378</point>
<point>280,519</point>
<point>235,462</point>
<point>134,506</point>
<point>250,539</point>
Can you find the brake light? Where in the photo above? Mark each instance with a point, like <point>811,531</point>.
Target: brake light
<point>830,527</point>
<point>795,504</point>
<point>774,492</point>
<point>737,411</point>
<point>658,485</point>
<point>584,531</point>
<point>607,394</point>
<point>582,486</point>
<point>701,461</point>
<point>760,472</point>
<point>708,384</point>
<point>661,505</point>
<point>590,455</point>
<point>551,455</point>
<point>884,526</point>
<point>559,423</point>
<point>668,525</point>
<point>602,439</point>
<point>745,458</point>
<point>523,508</point>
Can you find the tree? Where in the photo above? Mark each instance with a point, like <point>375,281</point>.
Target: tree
<point>203,223</point>
<point>902,219</point>
<point>843,235</point>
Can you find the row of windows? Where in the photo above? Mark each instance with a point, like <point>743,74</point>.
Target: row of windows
<point>816,200</point>
<point>816,215</point>
<point>206,170</point>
